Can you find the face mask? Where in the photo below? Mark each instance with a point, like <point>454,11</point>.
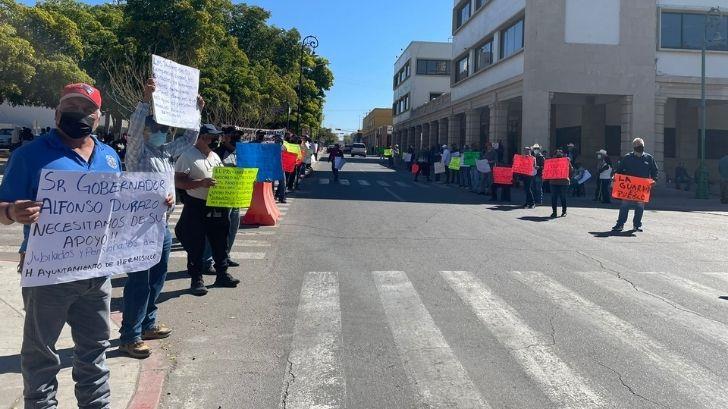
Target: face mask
<point>158,139</point>
<point>214,144</point>
<point>639,149</point>
<point>536,151</point>
<point>76,125</point>
<point>599,156</point>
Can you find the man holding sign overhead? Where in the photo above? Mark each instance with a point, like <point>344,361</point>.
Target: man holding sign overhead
<point>193,173</point>
<point>640,164</point>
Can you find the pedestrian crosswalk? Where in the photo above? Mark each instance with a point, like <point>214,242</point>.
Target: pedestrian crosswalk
<point>383,183</point>
<point>563,372</point>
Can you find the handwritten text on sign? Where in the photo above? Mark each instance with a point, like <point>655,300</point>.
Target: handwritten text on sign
<point>556,169</point>
<point>503,176</point>
<point>524,164</point>
<point>175,98</point>
<point>96,224</point>
<point>234,187</point>
<point>632,188</point>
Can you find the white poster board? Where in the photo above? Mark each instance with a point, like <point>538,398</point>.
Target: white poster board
<point>96,225</point>
<point>175,97</point>
<point>483,166</point>
<point>585,177</point>
<point>439,168</point>
<point>339,162</point>
<point>407,157</point>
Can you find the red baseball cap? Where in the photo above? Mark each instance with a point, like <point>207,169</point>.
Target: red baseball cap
<point>81,90</point>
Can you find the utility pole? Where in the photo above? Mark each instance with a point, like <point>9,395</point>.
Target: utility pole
<point>307,42</point>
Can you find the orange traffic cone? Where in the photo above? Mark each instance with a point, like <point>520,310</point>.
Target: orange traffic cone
<point>263,210</point>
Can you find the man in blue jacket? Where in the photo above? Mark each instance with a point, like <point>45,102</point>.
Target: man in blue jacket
<point>640,164</point>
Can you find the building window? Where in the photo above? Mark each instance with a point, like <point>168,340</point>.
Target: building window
<point>716,143</point>
<point>462,14</point>
<point>433,67</point>
<point>686,31</point>
<point>462,67</point>
<point>670,147</point>
<point>511,39</point>
<point>479,3</point>
<point>435,95</point>
<point>402,75</point>
<point>401,105</point>
<point>483,55</point>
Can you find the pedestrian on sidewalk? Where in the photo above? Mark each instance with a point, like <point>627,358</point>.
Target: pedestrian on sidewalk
<point>423,163</point>
<point>435,156</point>
<point>723,169</point>
<point>464,169</point>
<point>528,183</point>
<point>491,156</point>
<point>505,192</point>
<point>83,304</point>
<point>640,164</point>
<point>537,186</point>
<point>147,150</point>
<point>193,173</point>
<point>333,154</point>
<point>446,157</point>
<point>604,171</point>
<point>455,173</point>
<point>558,189</point>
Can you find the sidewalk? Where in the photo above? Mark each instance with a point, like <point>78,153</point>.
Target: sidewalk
<point>125,372</point>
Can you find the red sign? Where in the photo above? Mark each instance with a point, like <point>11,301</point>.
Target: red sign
<point>289,161</point>
<point>556,169</point>
<point>415,169</point>
<point>524,164</point>
<point>503,176</point>
<point>632,188</point>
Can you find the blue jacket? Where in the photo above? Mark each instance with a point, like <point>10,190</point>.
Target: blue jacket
<point>640,166</point>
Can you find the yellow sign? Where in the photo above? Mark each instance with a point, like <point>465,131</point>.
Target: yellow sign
<point>293,148</point>
<point>387,153</point>
<point>234,188</point>
<point>455,163</point>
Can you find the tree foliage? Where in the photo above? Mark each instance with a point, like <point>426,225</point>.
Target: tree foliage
<point>249,69</point>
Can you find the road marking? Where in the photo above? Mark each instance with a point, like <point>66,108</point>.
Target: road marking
<point>423,185</point>
<point>324,181</point>
<point>363,182</point>
<point>250,243</point>
<point>344,182</point>
<point>532,350</point>
<point>396,196</point>
<point>401,184</point>
<point>674,280</point>
<point>383,183</point>
<point>695,381</point>
<point>233,255</point>
<point>247,232</point>
<point>315,376</point>
<point>10,249</point>
<point>439,185</point>
<point>431,366</point>
<point>656,304</point>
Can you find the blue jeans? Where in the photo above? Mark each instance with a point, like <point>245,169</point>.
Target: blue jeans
<point>474,178</point>
<point>639,209</point>
<point>537,189</point>
<point>85,305</point>
<point>140,296</point>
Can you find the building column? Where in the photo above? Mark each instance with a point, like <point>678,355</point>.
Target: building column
<point>434,133</point>
<point>536,120</point>
<point>658,151</point>
<point>426,131</point>
<point>626,122</point>
<point>442,131</point>
<point>498,122</point>
<point>472,127</point>
<point>412,137</point>
<point>452,130</point>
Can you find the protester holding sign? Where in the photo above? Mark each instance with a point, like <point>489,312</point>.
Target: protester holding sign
<point>83,304</point>
<point>193,173</point>
<point>333,154</point>
<point>605,177</point>
<point>559,185</point>
<point>537,186</point>
<point>147,150</point>
<point>640,164</point>
<point>525,166</point>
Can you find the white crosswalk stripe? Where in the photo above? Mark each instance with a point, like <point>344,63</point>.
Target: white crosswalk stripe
<point>316,350</point>
<point>363,182</point>
<point>423,347</point>
<point>383,183</point>
<point>423,185</point>
<point>532,350</point>
<point>324,181</point>
<point>689,286</point>
<point>402,184</point>
<point>250,243</point>
<point>696,381</point>
<point>233,255</point>
<point>10,249</point>
<point>344,182</point>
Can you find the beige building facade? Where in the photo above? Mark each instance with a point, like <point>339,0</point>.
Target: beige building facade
<point>377,128</point>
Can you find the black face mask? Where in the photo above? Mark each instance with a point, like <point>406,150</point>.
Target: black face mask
<point>639,149</point>
<point>76,125</point>
<point>214,145</point>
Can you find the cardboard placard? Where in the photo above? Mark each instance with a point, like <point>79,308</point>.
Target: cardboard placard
<point>439,168</point>
<point>503,176</point>
<point>632,188</point>
<point>387,153</point>
<point>288,159</point>
<point>234,187</point>
<point>455,163</point>
<point>175,96</point>
<point>407,157</point>
<point>483,166</point>
<point>415,168</point>
<point>556,169</point>
<point>266,157</point>
<point>469,158</point>
<point>524,164</point>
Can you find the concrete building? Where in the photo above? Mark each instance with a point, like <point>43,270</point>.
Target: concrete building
<point>377,128</point>
<point>597,73</point>
<point>421,75</point>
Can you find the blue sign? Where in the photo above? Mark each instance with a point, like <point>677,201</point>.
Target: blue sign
<point>266,157</point>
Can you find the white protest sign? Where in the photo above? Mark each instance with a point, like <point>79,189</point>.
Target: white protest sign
<point>587,175</point>
<point>339,163</point>
<point>175,97</point>
<point>95,225</point>
<point>407,157</point>
<point>439,168</point>
<point>483,166</point>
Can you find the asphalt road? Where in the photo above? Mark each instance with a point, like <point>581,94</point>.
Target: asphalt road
<point>380,293</point>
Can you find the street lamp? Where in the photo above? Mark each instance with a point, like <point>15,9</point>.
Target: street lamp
<point>312,43</point>
<point>712,21</point>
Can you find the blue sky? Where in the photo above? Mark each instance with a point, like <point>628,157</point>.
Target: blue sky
<point>362,40</point>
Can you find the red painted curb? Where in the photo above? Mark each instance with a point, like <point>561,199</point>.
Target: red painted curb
<point>152,374</point>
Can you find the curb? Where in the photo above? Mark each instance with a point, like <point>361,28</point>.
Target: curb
<point>152,374</point>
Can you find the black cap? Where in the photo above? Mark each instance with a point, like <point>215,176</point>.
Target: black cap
<point>209,129</point>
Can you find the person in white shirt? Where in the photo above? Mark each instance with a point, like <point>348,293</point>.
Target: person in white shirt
<point>193,173</point>
<point>446,157</point>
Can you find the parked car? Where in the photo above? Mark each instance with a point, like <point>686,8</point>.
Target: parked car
<point>358,149</point>
<point>347,149</point>
<point>9,136</point>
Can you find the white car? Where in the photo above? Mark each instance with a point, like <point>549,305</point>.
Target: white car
<point>358,149</point>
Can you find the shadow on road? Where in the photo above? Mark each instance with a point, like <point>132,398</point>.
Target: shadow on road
<point>537,219</point>
<point>605,234</point>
